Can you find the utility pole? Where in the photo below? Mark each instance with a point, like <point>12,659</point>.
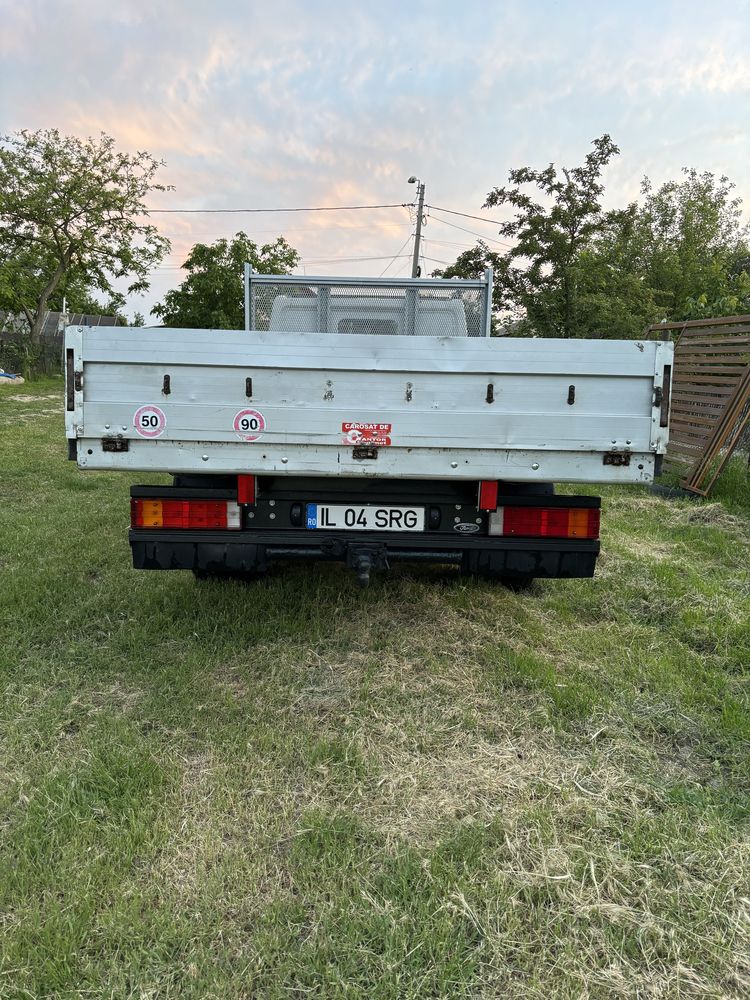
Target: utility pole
<point>418,234</point>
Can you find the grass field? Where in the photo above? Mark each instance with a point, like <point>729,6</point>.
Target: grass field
<point>433,788</point>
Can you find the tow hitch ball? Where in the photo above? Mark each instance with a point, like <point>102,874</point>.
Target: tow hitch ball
<point>362,559</point>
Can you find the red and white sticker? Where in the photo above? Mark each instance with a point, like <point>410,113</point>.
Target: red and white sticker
<point>149,421</point>
<point>377,435</point>
<point>249,425</point>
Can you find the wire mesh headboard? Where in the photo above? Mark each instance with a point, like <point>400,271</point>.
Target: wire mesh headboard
<point>421,307</point>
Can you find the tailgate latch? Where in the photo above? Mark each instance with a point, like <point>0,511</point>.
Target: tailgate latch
<point>616,458</point>
<point>114,444</point>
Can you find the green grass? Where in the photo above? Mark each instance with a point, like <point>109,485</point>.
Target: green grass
<point>433,788</point>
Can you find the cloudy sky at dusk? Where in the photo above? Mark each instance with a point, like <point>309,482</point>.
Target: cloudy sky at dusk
<point>328,103</point>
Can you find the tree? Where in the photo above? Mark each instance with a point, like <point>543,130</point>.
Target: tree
<point>212,295</point>
<point>72,206</point>
<point>472,264</point>
<point>692,243</point>
<point>538,277</point>
<point>681,252</point>
<point>614,300</point>
<point>76,297</point>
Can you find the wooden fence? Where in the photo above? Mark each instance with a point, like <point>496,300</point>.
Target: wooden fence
<point>710,395</point>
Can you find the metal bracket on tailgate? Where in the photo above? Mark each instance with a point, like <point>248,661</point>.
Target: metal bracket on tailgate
<point>115,444</point>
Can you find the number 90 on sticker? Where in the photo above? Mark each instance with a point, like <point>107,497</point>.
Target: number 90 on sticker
<point>249,425</point>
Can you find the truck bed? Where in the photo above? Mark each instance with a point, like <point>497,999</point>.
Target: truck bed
<point>312,404</point>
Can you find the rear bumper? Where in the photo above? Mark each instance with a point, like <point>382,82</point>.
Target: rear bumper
<point>253,551</point>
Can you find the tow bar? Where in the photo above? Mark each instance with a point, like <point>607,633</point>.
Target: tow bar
<point>364,558</point>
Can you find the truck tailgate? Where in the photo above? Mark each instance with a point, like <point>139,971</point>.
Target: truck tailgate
<point>227,401</point>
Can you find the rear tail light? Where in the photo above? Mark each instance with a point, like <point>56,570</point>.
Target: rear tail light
<point>146,512</point>
<point>546,522</point>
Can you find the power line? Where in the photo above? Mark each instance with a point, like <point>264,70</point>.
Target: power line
<point>230,211</point>
<point>312,208</point>
<point>479,236</point>
<point>314,229</point>
<point>395,256</point>
<point>451,211</point>
<point>309,260</point>
<point>446,243</point>
<point>345,260</point>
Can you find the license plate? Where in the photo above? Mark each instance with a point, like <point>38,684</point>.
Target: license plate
<point>340,517</point>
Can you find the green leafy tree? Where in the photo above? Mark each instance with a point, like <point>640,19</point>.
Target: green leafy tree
<point>72,209</point>
<point>613,298</point>
<point>212,295</point>
<point>553,223</point>
<point>472,264</point>
<point>74,295</point>
<point>680,252</point>
<point>734,301</point>
<point>693,245</point>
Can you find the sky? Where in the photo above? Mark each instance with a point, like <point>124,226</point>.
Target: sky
<point>325,103</point>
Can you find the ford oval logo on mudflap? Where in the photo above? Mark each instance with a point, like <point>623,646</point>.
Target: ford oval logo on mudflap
<point>466,527</point>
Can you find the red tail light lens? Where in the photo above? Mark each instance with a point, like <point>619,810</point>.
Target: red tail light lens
<point>546,522</point>
<point>147,512</point>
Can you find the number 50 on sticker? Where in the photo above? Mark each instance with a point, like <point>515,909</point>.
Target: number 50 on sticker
<point>249,425</point>
<point>149,421</point>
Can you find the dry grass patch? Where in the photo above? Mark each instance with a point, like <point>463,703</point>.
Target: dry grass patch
<point>464,777</point>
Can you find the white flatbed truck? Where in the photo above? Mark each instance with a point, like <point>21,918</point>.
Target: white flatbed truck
<point>365,421</point>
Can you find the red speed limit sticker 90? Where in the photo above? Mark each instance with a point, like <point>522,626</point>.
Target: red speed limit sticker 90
<point>249,424</point>
<point>149,421</point>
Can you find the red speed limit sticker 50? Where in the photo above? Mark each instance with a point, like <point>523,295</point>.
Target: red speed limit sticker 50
<point>249,425</point>
<point>149,421</point>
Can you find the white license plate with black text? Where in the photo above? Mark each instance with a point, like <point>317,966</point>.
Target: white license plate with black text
<point>340,517</point>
